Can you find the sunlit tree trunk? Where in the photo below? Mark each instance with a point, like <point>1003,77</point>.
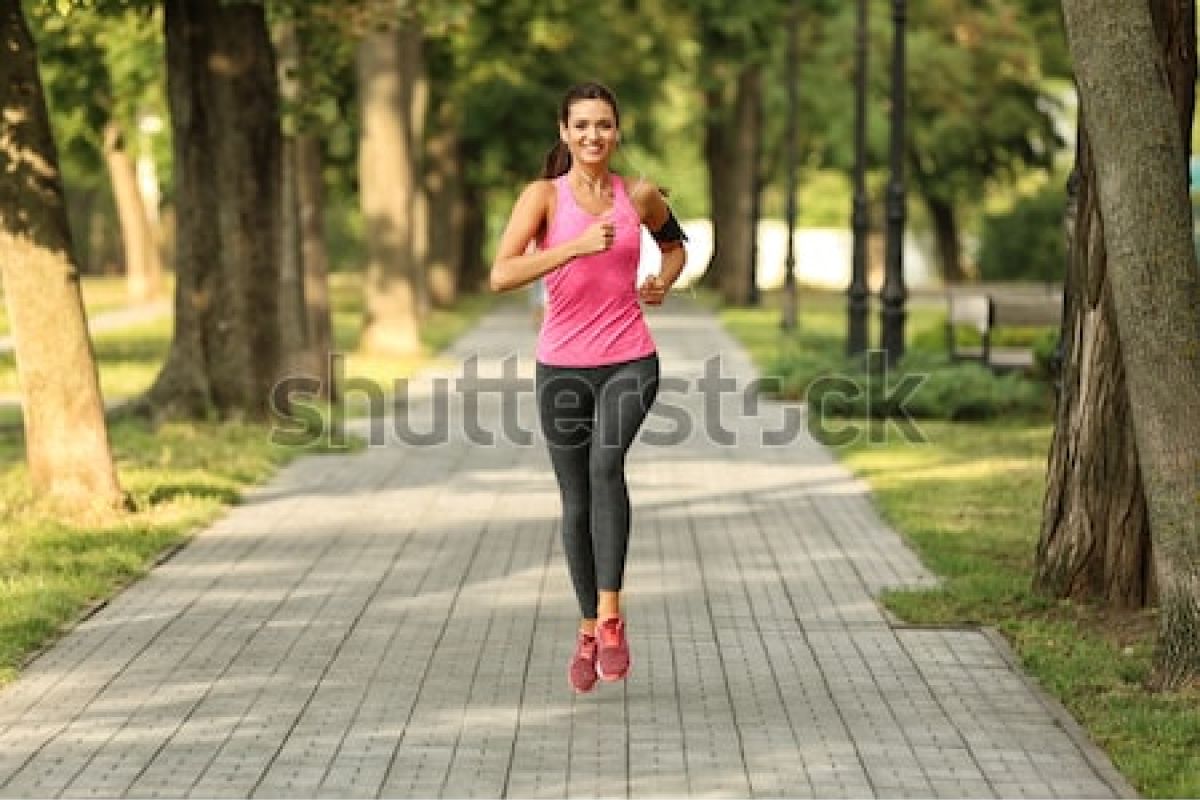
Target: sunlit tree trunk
<point>226,352</point>
<point>414,78</point>
<point>1141,171</point>
<point>143,265</point>
<point>66,441</point>
<point>386,181</point>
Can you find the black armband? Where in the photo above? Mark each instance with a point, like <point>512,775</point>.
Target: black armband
<point>669,231</point>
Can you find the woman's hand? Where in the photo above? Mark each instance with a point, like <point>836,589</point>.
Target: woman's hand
<point>653,290</point>
<point>597,238</point>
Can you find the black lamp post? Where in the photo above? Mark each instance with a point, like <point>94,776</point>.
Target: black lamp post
<point>860,221</point>
<point>789,263</point>
<point>894,294</point>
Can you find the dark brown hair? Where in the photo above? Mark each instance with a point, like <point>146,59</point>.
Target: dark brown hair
<point>558,160</point>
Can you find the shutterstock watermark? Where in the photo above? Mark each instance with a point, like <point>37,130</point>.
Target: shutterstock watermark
<point>500,409</point>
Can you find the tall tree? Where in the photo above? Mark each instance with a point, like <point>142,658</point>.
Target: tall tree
<point>1141,170</point>
<point>388,180</point>
<point>66,441</point>
<point>733,40</point>
<point>102,67</point>
<point>1095,541</point>
<point>443,188</point>
<point>143,262</point>
<point>224,101</point>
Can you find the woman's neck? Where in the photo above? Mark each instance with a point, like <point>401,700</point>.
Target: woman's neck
<point>597,180</point>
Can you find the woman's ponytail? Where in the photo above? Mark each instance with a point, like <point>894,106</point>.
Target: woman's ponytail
<point>558,161</point>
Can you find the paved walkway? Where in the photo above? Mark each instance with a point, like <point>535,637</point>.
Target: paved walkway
<point>397,622</point>
<point>115,319</point>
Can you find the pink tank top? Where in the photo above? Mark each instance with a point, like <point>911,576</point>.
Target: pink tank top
<point>593,316</point>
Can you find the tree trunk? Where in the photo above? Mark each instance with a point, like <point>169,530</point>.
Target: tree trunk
<point>150,192</point>
<point>143,267</point>
<point>722,210</point>
<point>1141,168</point>
<point>1095,538</point>
<point>472,268</point>
<point>224,103</point>
<point>386,182</point>
<point>415,79</point>
<point>298,357</point>
<point>730,148</point>
<point>66,441</point>
<point>443,179</point>
<point>949,242</point>
<point>1095,542</point>
<point>315,258</point>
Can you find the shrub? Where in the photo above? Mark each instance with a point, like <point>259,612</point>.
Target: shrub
<point>1026,243</point>
<point>924,386</point>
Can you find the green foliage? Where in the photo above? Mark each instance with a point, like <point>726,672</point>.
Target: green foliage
<point>925,386</point>
<point>1027,242</point>
<point>977,112</point>
<point>507,68</point>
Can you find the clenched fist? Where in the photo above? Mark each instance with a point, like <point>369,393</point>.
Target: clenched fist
<point>598,237</point>
<point>652,291</point>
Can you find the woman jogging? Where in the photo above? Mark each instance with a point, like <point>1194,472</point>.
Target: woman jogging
<point>597,365</point>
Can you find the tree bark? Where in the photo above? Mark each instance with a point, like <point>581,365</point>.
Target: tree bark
<point>414,77</point>
<point>143,265</point>
<point>730,147</point>
<point>1141,173</point>
<point>298,356</point>
<point>473,201</point>
<point>722,210</point>
<point>443,187</point>
<point>1095,539</point>
<point>1095,542</point>
<point>386,180</point>
<point>224,101</point>
<point>949,242</point>
<point>66,441</point>
<point>315,258</point>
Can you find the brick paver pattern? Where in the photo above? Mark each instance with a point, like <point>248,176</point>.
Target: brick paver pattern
<point>397,622</point>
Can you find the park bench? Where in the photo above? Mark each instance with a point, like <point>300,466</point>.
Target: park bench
<point>987,310</point>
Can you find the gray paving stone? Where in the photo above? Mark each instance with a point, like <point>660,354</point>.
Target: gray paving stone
<point>397,623</point>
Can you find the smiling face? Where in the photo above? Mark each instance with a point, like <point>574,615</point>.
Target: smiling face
<point>590,131</point>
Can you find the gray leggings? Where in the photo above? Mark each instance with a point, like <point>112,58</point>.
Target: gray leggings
<point>590,416</point>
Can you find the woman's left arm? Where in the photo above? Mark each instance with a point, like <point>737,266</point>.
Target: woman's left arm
<point>656,215</point>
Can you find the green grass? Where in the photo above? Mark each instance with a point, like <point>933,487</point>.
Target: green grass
<point>179,475</point>
<point>100,293</point>
<point>129,359</point>
<point>969,501</point>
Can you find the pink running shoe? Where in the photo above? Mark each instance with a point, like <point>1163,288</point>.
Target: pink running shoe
<point>581,672</point>
<point>612,663</point>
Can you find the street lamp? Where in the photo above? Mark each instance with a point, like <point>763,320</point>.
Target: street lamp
<point>894,293</point>
<point>860,221</point>
<point>789,263</point>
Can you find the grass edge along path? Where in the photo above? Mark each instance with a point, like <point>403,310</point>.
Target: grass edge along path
<point>180,476</point>
<point>968,500</point>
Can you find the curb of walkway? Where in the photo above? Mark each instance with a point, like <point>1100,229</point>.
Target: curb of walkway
<point>1095,756</point>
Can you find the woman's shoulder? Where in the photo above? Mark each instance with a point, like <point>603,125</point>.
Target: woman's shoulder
<point>646,195</point>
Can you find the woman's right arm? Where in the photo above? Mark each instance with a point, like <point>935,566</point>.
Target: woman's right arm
<point>514,267</point>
